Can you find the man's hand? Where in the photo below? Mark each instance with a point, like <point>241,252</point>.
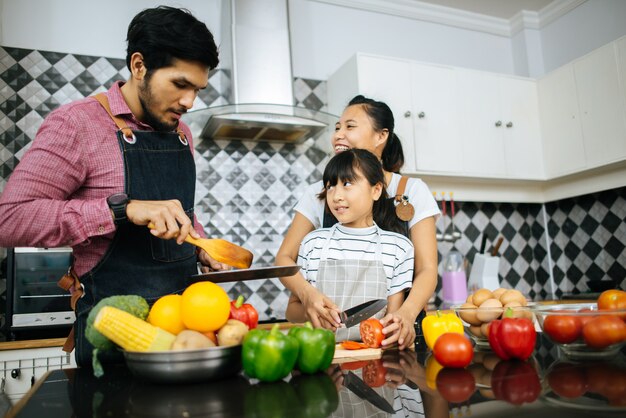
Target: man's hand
<point>167,216</point>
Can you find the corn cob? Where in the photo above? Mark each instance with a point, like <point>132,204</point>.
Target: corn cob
<point>130,332</point>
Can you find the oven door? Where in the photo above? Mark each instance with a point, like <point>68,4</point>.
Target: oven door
<point>33,298</point>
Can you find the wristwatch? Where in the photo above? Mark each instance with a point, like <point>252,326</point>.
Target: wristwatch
<point>117,202</point>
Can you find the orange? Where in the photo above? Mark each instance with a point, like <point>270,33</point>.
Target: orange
<point>205,307</point>
<point>166,314</point>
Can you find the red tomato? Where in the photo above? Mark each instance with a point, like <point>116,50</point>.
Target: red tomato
<point>374,373</point>
<point>612,299</point>
<point>615,383</point>
<point>603,331</point>
<point>372,332</point>
<point>455,385</point>
<point>568,380</point>
<point>563,329</point>
<point>596,376</point>
<point>453,350</point>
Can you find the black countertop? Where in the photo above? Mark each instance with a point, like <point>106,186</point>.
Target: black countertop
<point>407,385</point>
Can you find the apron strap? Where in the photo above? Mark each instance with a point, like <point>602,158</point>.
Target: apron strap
<point>401,187</point>
<point>123,127</point>
<point>70,282</point>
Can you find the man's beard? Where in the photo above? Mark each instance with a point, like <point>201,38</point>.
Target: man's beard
<point>146,100</point>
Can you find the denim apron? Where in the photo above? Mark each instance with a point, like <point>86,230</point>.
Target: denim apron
<point>157,166</point>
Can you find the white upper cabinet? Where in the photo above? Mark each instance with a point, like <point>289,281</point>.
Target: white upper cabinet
<point>446,117</point>
<point>563,148</point>
<point>500,125</point>
<point>601,105</point>
<point>383,79</point>
<point>434,114</point>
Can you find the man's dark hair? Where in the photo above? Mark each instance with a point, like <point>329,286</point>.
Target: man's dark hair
<point>164,33</point>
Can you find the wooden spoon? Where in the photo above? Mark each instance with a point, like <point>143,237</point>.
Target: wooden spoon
<point>221,250</point>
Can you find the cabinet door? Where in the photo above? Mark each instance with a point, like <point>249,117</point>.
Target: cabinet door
<point>389,80</point>
<point>519,106</point>
<point>601,107</point>
<point>480,115</point>
<point>562,134</point>
<point>438,144</point>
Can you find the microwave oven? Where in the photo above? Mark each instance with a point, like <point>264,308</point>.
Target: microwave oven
<point>35,305</point>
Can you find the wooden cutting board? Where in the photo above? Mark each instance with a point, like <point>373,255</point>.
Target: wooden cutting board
<point>342,355</point>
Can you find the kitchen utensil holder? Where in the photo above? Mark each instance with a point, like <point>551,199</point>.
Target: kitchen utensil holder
<point>484,273</point>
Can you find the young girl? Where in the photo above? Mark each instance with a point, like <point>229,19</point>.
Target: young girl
<point>356,260</point>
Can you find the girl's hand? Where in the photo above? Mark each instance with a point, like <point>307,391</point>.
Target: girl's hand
<point>403,320</point>
<point>320,310</point>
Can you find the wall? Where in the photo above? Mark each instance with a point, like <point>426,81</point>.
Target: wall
<point>589,26</point>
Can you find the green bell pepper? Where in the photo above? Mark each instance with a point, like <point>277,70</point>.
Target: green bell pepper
<point>271,400</point>
<point>317,348</point>
<point>269,356</point>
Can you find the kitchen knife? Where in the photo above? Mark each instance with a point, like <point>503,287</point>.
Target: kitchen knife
<point>360,312</point>
<point>238,275</point>
<point>355,384</point>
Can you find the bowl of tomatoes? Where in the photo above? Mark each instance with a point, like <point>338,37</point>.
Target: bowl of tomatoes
<point>583,330</point>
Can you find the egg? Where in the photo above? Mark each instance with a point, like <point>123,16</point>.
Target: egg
<point>498,292</point>
<point>512,295</point>
<point>488,310</point>
<point>484,328</point>
<point>468,314</point>
<point>475,330</point>
<point>480,296</point>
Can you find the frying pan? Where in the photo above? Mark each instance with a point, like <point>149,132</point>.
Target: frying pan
<point>240,275</point>
<point>221,250</point>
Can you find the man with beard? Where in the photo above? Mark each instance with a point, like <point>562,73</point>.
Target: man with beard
<point>102,168</point>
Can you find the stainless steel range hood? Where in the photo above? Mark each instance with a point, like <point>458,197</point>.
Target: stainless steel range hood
<point>255,51</point>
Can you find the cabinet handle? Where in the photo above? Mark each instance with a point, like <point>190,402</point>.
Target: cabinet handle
<point>509,125</point>
<point>407,114</point>
<point>498,124</point>
<point>421,115</point>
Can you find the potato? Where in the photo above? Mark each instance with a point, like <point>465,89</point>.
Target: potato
<point>468,314</point>
<point>512,295</point>
<point>480,296</point>
<point>231,333</point>
<point>488,310</point>
<point>469,298</point>
<point>191,340</point>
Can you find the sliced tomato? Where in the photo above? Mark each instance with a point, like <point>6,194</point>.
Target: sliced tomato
<point>372,332</point>
<point>353,365</point>
<point>353,345</point>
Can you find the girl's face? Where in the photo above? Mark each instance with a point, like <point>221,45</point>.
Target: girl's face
<point>355,130</point>
<point>351,202</point>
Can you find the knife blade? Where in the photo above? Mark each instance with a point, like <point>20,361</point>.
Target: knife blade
<point>356,314</point>
<point>355,384</point>
<point>237,275</point>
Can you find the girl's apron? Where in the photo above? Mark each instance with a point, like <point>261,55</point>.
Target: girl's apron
<point>157,166</point>
<point>351,282</point>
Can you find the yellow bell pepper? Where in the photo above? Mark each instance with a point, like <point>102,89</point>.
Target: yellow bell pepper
<point>433,367</point>
<point>436,325</point>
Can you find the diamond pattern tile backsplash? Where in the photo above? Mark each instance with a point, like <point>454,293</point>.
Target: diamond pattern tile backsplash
<point>245,191</point>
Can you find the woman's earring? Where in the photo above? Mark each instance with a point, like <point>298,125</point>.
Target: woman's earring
<point>404,210</point>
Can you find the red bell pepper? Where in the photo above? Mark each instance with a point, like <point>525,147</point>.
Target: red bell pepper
<point>515,382</point>
<point>244,312</point>
<point>512,337</point>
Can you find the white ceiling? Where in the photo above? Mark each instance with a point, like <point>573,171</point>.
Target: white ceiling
<point>504,9</point>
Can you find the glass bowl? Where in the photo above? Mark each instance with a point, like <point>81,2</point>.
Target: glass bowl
<point>476,321</point>
<point>564,328</point>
